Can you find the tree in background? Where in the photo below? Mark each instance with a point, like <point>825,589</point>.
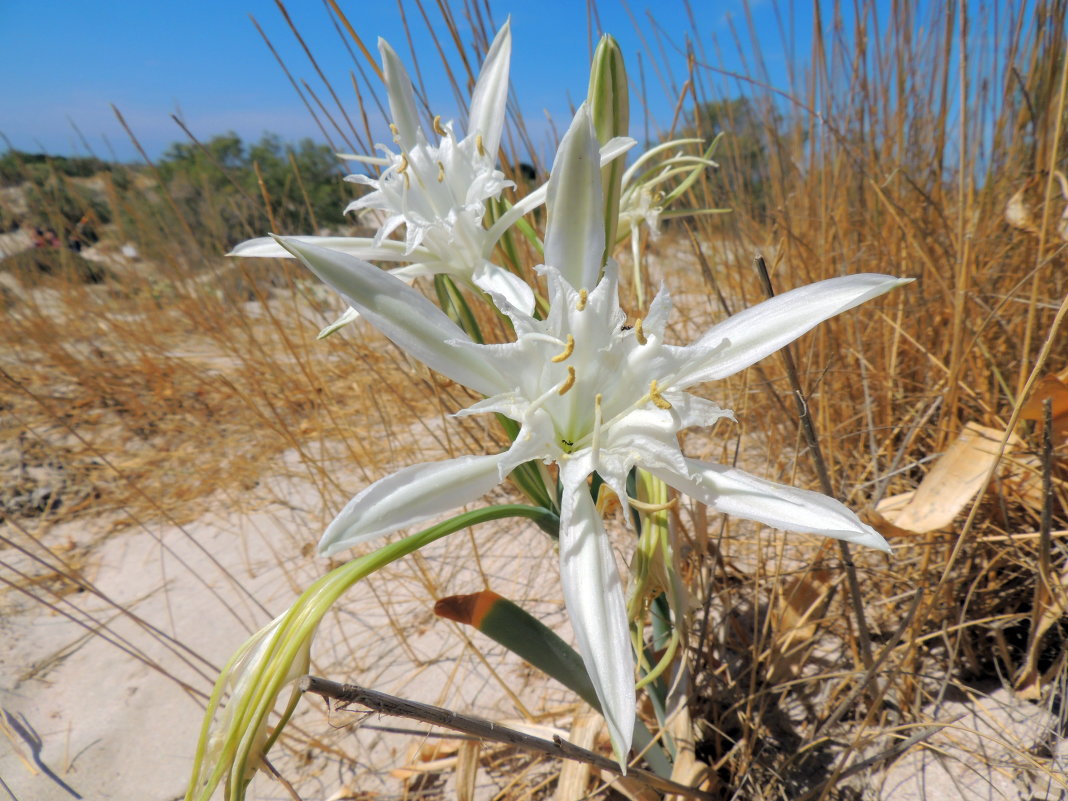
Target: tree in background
<point>219,184</point>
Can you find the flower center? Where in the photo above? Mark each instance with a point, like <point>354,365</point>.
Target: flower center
<point>601,385</point>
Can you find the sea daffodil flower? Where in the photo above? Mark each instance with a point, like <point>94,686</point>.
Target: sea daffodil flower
<point>591,394</point>
<point>437,187</point>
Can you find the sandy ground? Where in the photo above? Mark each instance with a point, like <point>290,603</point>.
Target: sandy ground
<point>117,718</point>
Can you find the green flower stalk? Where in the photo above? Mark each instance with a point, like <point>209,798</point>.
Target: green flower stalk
<point>279,653</point>
<point>655,574</point>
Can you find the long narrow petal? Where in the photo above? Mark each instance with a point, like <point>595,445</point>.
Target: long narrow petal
<point>490,97</point>
<point>350,315</point>
<point>574,232</point>
<point>410,496</point>
<point>266,247</point>
<point>756,332</point>
<point>402,314</point>
<point>735,492</point>
<point>401,96</point>
<point>598,613</point>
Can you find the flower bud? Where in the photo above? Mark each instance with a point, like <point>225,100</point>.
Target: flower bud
<point>609,103</point>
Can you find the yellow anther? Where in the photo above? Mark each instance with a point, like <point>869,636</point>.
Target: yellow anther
<point>404,164</point>
<point>570,382</point>
<point>441,172</point>
<point>583,295</point>
<point>394,129</point>
<point>656,397</point>
<point>639,334</point>
<point>440,131</point>
<point>479,146</point>
<point>569,348</point>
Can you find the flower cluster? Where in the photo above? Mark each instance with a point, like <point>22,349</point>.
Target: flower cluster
<point>589,391</point>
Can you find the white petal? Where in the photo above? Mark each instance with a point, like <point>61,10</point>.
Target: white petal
<point>350,315</point>
<point>615,148</point>
<point>266,247</point>
<point>761,330</point>
<point>656,319</point>
<point>490,97</point>
<point>534,441</point>
<point>402,314</point>
<point>401,96</point>
<point>496,281</point>
<point>594,598</point>
<point>410,496</point>
<point>645,437</point>
<point>735,492</point>
<point>574,233</point>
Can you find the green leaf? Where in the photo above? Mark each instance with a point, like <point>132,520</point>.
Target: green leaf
<point>529,638</point>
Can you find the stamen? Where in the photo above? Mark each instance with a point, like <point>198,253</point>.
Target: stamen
<point>437,126</point>
<point>656,397</point>
<point>595,439</point>
<point>403,165</point>
<point>478,145</point>
<point>569,348</point>
<point>441,172</point>
<point>583,295</point>
<point>639,334</point>
<point>394,129</point>
<point>570,382</point>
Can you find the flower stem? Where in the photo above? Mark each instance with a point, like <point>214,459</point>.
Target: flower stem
<point>262,667</point>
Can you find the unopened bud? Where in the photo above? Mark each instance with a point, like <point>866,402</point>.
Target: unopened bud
<point>609,102</point>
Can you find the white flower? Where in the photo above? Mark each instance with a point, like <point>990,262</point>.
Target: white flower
<point>592,395</point>
<point>642,201</point>
<point>437,187</point>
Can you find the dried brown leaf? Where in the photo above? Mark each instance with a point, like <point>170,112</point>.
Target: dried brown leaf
<point>952,483</point>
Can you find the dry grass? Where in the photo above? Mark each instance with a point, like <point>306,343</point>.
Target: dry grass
<point>180,384</point>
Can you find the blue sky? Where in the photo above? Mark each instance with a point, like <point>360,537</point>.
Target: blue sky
<point>66,62</point>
